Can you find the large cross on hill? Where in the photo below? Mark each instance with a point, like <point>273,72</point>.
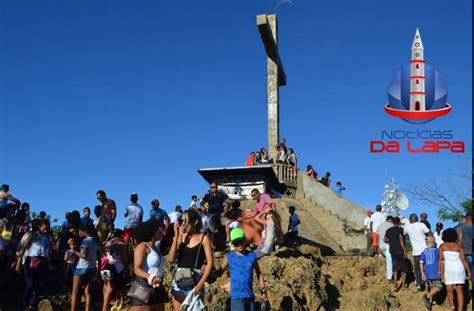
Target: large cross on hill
<point>268,28</point>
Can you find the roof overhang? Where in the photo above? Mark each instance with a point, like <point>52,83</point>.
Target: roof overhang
<point>241,174</point>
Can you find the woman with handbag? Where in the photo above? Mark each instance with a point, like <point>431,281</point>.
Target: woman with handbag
<point>86,267</point>
<point>147,292</point>
<point>191,249</point>
<point>35,268</point>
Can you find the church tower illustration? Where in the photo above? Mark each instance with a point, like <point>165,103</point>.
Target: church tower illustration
<point>417,75</point>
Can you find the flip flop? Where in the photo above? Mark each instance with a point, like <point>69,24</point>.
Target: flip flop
<point>427,301</point>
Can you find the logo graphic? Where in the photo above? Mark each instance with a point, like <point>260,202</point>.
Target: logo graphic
<point>417,93</point>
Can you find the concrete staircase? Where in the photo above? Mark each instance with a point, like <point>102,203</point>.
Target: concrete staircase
<point>328,221</point>
<point>322,226</point>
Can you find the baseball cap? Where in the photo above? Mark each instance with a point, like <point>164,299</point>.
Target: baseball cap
<point>236,234</point>
<point>369,212</point>
<point>155,201</point>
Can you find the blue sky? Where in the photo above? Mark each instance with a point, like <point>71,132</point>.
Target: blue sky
<point>135,96</point>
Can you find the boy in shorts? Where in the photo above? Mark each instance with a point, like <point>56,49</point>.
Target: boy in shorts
<point>242,264</point>
<point>429,271</point>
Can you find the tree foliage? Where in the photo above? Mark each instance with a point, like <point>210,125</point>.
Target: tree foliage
<point>451,196</point>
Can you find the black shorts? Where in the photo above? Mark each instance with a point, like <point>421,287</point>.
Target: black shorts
<point>398,262</point>
<point>158,297</point>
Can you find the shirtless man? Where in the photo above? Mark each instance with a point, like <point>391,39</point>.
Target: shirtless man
<point>5,207</point>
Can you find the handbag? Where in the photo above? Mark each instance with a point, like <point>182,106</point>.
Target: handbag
<point>184,277</point>
<point>34,262</point>
<point>140,291</point>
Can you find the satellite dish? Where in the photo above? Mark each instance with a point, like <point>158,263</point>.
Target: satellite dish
<point>401,201</point>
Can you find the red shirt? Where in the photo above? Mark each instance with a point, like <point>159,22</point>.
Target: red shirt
<point>249,161</point>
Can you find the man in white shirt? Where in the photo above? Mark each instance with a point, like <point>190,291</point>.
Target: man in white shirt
<point>174,216</point>
<point>367,232</point>
<point>375,220</point>
<point>417,232</point>
<point>384,248</point>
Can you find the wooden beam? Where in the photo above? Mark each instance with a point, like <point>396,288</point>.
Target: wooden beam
<point>270,45</point>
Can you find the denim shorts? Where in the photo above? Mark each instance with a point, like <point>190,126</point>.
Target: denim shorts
<point>184,292</point>
<point>87,274</point>
<point>242,304</point>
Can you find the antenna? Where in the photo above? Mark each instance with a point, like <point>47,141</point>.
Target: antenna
<point>393,201</point>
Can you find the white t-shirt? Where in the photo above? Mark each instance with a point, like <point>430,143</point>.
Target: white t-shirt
<point>174,216</point>
<point>438,238</point>
<point>416,232</point>
<point>367,223</point>
<point>377,218</point>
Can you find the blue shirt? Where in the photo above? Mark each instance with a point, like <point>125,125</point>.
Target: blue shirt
<point>430,259</point>
<point>241,274</point>
<point>159,214</point>
<point>86,221</point>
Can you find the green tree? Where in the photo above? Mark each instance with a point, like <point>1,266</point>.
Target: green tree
<point>448,214</point>
<point>451,195</point>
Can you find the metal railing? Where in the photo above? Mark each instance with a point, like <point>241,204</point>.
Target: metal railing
<point>285,173</point>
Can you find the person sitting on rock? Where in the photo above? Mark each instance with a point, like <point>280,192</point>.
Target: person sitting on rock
<point>271,234</point>
<point>339,188</point>
<point>242,263</point>
<point>326,179</point>
<point>310,172</point>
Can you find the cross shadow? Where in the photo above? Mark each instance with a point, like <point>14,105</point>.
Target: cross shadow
<point>332,302</point>
<point>300,241</point>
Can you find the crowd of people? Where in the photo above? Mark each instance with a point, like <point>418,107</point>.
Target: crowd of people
<point>284,156</point>
<point>287,156</point>
<point>440,257</point>
<point>128,264</point>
